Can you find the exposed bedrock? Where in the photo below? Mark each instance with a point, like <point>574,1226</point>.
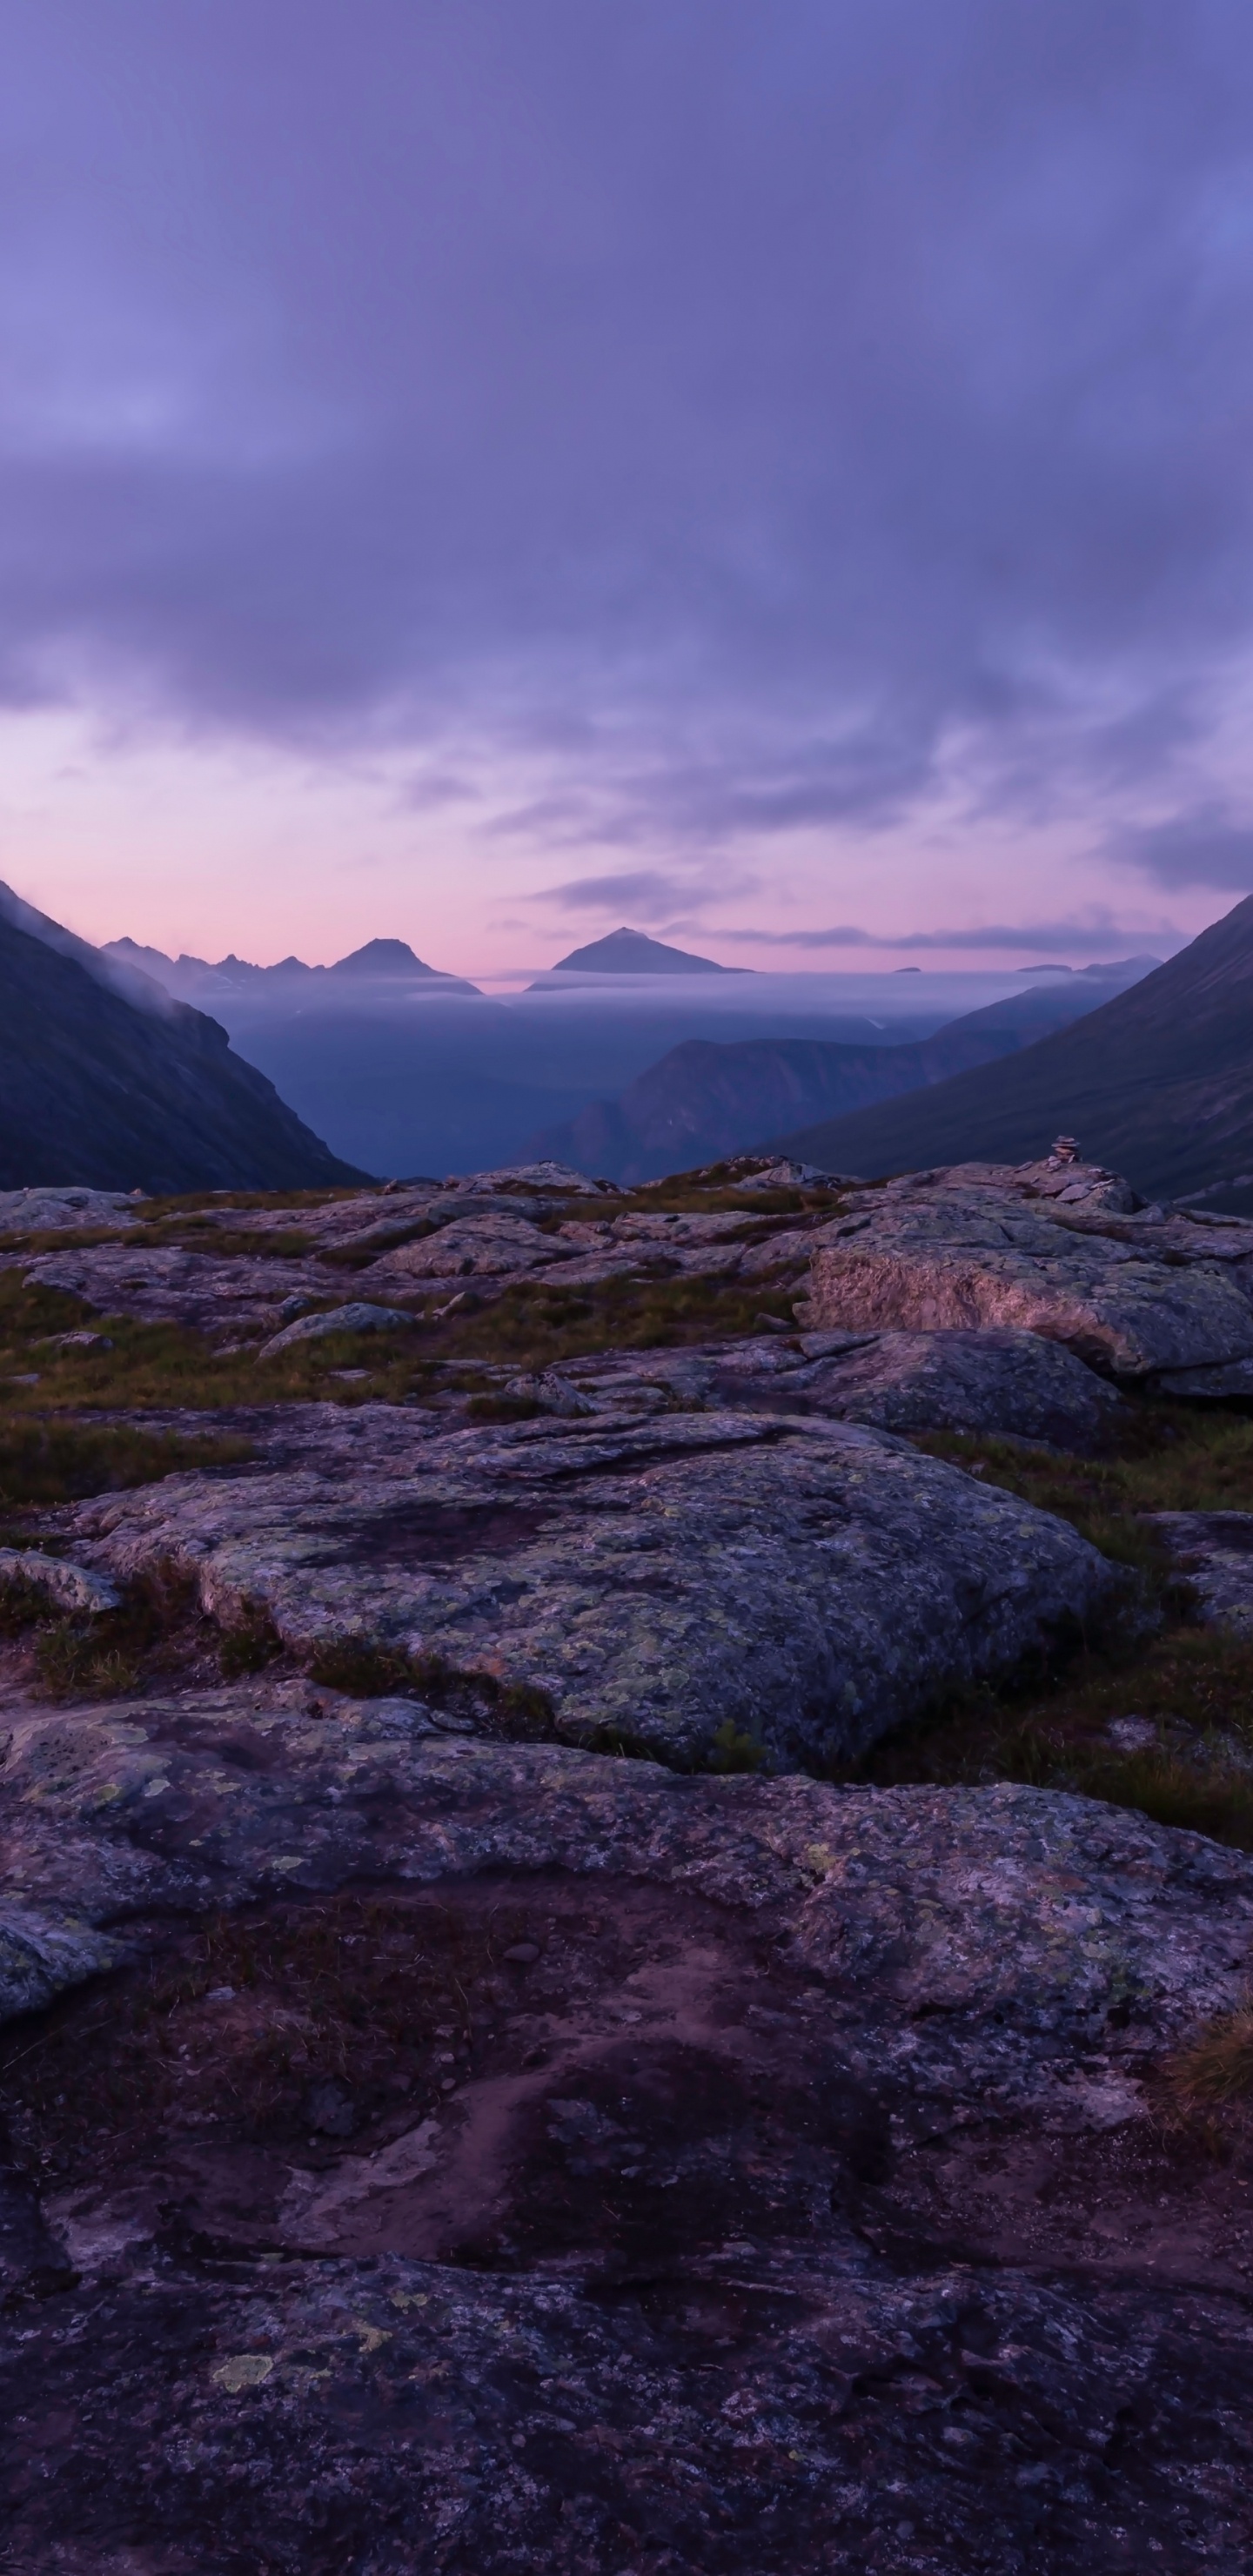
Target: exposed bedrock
<point>806,1583</point>
<point>501,2160</point>
<point>1134,1296</point>
<point>989,1382</point>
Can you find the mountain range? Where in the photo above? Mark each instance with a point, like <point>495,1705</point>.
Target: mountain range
<point>1157,1083</point>
<point>105,1079</point>
<point>193,979</point>
<point>702,1101</point>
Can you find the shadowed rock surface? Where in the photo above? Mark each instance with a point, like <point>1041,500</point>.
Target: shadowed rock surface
<point>1215,1551</point>
<point>548,2163</point>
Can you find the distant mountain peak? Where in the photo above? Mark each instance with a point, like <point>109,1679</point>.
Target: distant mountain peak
<point>631,952</point>
<point>382,957</point>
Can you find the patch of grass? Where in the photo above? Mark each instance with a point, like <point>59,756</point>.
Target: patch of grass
<point>166,1367</point>
<point>503,1408</point>
<point>1193,1686</point>
<point>44,1462</point>
<point>159,1210</point>
<point>1163,1458</point>
<point>241,2019</point>
<point>534,1325</point>
<point>516,1710</point>
<point>108,1657</point>
<point>735,1750</point>
<point>1218,2067</point>
<point>250,1644</point>
<point>192,1234</point>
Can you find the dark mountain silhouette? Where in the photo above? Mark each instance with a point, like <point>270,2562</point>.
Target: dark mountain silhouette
<point>382,957</point>
<point>703,1101</point>
<point>130,1093</point>
<point>630,952</point>
<point>1158,1084</point>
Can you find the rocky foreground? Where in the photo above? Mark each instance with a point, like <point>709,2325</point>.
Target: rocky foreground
<point>482,2093</point>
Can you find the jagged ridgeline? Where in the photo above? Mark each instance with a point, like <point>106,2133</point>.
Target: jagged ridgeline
<point>104,1079</point>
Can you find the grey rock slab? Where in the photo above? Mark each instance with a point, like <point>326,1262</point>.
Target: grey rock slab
<point>42,1957</point>
<point>356,1317</point>
<point>809,1584</point>
<point>991,1382</point>
<point>981,1382</point>
<point>213,1293</point>
<point>556,1180</point>
<point>38,1211</point>
<point>1215,1551</point>
<point>75,1588</point>
<point>472,1247</point>
<point>1232,1379</point>
<point>962,1259</point>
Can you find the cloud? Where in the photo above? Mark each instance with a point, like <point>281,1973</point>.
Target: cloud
<point>648,892</point>
<point>1207,847</point>
<point>760,422</point>
<point>1074,936</point>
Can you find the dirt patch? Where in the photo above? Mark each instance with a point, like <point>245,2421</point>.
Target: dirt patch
<point>518,2078</point>
<point>441,1533</point>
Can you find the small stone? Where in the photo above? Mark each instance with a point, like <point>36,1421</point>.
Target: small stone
<point>1131,1734</point>
<point>330,2110</point>
<point>523,1953</point>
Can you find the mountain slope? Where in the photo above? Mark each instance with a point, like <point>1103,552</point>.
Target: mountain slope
<point>94,1089</point>
<point>702,1100</point>
<point>1157,1083</point>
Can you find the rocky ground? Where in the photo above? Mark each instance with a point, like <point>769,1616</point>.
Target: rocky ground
<point>567,2000</point>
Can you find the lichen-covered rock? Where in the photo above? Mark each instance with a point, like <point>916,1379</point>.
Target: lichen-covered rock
<point>1215,1551</point>
<point>991,1382</point>
<point>1232,1379</point>
<point>356,1317</point>
<point>933,1255</point>
<point>42,1956</point>
<point>698,2175</point>
<point>804,1585</point>
<point>55,1580</point>
<point>208,1292</point>
<point>39,1211</point>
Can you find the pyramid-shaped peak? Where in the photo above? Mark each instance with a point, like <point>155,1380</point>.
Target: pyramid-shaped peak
<point>632,952</point>
<point>382,957</point>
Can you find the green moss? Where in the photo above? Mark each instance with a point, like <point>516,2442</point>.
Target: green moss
<point>735,1750</point>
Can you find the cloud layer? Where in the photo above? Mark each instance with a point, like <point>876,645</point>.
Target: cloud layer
<point>740,419</point>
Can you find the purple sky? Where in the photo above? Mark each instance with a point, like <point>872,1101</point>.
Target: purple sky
<point>484,470</point>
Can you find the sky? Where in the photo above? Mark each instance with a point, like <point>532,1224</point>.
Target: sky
<point>772,472</point>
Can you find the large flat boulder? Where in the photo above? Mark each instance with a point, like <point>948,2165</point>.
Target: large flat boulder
<point>498,2159</point>
<point>973,1248</point>
<point>803,1584</point>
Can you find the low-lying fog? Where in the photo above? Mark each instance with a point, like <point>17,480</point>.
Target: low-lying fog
<point>402,1079</point>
